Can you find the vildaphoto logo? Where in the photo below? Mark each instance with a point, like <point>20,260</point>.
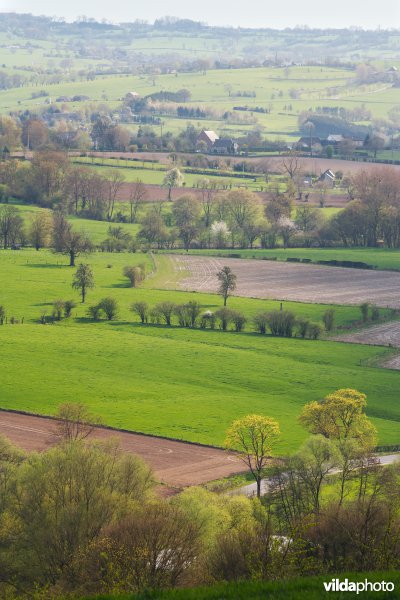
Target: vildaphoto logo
<point>336,585</point>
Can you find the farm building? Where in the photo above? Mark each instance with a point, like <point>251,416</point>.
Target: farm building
<point>304,142</point>
<point>208,137</point>
<point>225,146</point>
<point>132,96</point>
<point>328,177</point>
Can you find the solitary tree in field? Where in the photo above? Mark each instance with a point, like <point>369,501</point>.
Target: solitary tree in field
<point>83,280</point>
<point>227,282</point>
<point>172,179</point>
<point>253,437</point>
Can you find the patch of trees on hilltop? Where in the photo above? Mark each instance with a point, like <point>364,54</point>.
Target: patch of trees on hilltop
<point>325,125</point>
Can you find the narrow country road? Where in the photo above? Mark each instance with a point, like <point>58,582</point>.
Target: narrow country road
<point>251,489</point>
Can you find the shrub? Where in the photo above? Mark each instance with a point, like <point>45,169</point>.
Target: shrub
<point>141,309</point>
<point>165,310</point>
<point>58,307</point>
<point>302,327</point>
<point>2,314</point>
<point>109,307</point>
<point>94,312</point>
<point>261,322</point>
<point>155,316</point>
<point>329,319</point>
<point>374,313</point>
<point>364,308</point>
<point>193,310</point>
<point>224,315</point>
<point>68,306</point>
<point>181,313</point>
<point>134,274</point>
<point>281,322</point>
<point>314,331</point>
<point>239,320</point>
<point>208,320</point>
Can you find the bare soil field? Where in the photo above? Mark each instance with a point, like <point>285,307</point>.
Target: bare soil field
<point>155,193</point>
<point>387,334</point>
<point>288,281</point>
<point>176,464</point>
<point>312,165</point>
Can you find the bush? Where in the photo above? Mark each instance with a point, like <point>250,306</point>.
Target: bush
<point>239,320</point>
<point>302,327</point>
<point>2,314</point>
<point>261,322</point>
<point>208,320</point>
<point>224,315</point>
<point>374,313</point>
<point>110,308</point>
<point>364,308</point>
<point>134,274</point>
<point>329,319</point>
<point>281,323</point>
<point>141,309</point>
<point>68,306</point>
<point>94,312</point>
<point>188,313</point>
<point>58,307</point>
<point>165,310</point>
<point>314,331</point>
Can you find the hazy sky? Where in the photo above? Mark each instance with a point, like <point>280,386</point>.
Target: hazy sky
<point>258,13</point>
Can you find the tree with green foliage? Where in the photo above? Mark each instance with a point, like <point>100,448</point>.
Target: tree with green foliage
<point>253,437</point>
<point>227,283</point>
<point>83,280</point>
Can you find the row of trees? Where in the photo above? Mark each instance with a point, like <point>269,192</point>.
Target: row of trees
<point>110,532</point>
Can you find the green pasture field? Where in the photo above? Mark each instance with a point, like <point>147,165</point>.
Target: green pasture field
<point>174,382</point>
<point>97,230</point>
<point>156,176</point>
<point>48,277</point>
<point>217,88</point>
<point>380,258</point>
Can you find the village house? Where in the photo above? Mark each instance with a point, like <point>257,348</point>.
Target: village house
<point>328,177</point>
<point>225,146</point>
<point>209,138</point>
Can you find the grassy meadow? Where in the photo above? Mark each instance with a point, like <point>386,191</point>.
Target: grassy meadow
<point>285,92</point>
<point>180,383</point>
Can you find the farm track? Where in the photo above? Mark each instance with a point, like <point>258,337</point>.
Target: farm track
<point>176,464</point>
<point>288,281</point>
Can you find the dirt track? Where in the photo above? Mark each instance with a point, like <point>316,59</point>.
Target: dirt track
<point>175,464</point>
<point>288,281</point>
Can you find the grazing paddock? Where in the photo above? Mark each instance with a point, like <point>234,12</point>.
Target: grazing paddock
<point>287,281</point>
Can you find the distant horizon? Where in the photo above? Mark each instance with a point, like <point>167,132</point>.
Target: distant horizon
<point>150,22</point>
<point>308,14</point>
